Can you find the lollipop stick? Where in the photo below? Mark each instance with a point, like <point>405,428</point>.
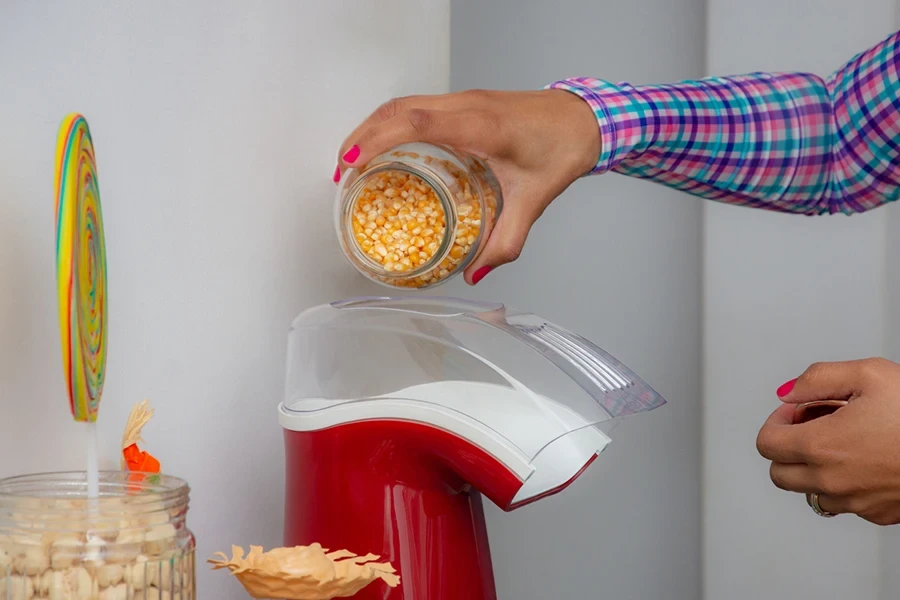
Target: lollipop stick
<point>93,470</point>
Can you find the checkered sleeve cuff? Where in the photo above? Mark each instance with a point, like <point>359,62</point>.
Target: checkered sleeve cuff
<point>788,142</point>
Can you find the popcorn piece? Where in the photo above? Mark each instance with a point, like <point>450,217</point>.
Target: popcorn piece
<point>110,575</point>
<point>34,561</point>
<point>166,578</point>
<point>159,539</point>
<point>155,594</point>
<point>66,552</point>
<point>73,584</point>
<point>118,592</point>
<point>140,574</point>
<point>16,587</point>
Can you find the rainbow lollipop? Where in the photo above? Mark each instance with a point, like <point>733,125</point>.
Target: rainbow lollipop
<point>80,268</point>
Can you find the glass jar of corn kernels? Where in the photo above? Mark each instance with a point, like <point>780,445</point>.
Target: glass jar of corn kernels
<point>131,542</point>
<point>417,215</point>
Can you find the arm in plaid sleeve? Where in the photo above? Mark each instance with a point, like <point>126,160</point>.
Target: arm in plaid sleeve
<point>789,142</point>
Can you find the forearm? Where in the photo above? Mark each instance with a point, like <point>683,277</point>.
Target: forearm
<point>787,142</point>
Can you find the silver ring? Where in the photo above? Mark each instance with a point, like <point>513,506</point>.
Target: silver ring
<point>813,501</point>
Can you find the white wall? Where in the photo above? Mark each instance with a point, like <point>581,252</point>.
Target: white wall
<point>619,261</point>
<point>781,292</point>
<point>216,125</point>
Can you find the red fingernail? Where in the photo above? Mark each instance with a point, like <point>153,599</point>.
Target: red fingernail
<point>480,273</point>
<point>337,174</point>
<point>352,155</point>
<point>786,388</point>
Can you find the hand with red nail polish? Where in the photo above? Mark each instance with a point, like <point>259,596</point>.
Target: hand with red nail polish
<point>536,143</point>
<point>836,435</point>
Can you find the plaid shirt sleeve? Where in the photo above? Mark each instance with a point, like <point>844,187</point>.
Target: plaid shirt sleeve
<point>791,142</point>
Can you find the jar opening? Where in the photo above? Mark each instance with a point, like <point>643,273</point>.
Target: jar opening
<point>399,221</point>
<point>447,206</point>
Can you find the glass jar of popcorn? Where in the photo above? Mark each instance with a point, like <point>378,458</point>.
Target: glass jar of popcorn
<point>131,542</point>
<point>417,215</point>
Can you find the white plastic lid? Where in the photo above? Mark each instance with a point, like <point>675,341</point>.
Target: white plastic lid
<point>509,381</point>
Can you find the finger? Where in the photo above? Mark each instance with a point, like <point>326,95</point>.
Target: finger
<point>793,477</point>
<point>504,243</point>
<point>388,110</point>
<point>781,440</point>
<point>464,130</point>
<point>391,109</point>
<point>825,381</point>
<point>449,102</point>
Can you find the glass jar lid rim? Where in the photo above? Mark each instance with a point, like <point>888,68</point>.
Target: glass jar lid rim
<point>152,485</point>
<point>434,182</point>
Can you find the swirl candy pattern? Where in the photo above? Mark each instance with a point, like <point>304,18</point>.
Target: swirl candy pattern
<point>80,268</point>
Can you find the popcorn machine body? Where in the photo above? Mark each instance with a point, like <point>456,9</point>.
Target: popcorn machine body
<point>400,413</point>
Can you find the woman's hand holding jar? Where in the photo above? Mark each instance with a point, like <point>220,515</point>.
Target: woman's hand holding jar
<point>536,143</point>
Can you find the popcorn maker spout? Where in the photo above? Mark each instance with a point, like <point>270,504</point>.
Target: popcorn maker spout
<point>401,413</point>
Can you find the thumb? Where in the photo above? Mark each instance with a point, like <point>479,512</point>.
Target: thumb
<point>825,381</point>
<point>504,244</point>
